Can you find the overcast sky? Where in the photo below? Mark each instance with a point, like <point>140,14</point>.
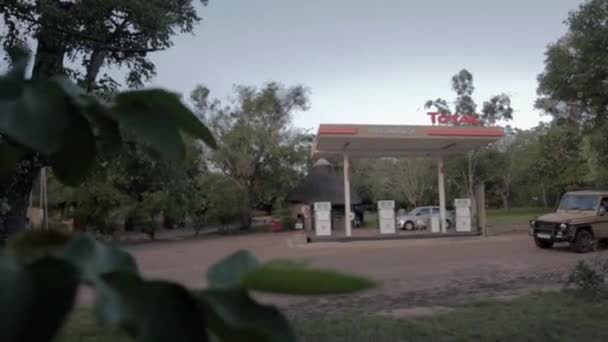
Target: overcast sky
<point>369,61</point>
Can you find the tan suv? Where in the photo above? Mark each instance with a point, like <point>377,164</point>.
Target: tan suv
<point>580,219</point>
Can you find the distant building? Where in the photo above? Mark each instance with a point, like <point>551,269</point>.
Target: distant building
<point>322,184</point>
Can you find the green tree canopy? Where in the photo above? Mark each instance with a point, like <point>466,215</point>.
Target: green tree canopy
<point>79,39</point>
<point>573,85</point>
<point>257,146</point>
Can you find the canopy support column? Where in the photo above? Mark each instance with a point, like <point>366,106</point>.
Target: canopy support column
<point>441,186</point>
<point>347,223</point>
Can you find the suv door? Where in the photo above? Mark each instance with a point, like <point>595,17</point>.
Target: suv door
<point>600,227</point>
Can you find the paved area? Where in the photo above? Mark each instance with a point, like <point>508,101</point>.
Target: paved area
<point>412,273</point>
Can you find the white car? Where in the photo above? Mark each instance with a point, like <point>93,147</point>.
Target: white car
<point>419,217</point>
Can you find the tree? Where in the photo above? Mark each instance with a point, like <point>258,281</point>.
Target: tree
<point>573,84</point>
<point>496,109</point>
<point>409,182</point>
<point>258,148</point>
<point>94,35</point>
<point>561,160</point>
<point>572,88</point>
<point>67,128</point>
<point>225,199</point>
<point>43,270</point>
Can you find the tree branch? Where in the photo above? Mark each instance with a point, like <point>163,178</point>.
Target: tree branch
<point>100,44</point>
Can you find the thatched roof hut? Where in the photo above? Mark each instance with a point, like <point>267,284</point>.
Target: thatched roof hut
<point>322,184</point>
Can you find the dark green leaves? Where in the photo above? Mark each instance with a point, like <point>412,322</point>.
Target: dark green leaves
<point>35,299</point>
<point>34,244</point>
<point>59,120</point>
<point>93,259</point>
<point>170,104</point>
<point>9,156</point>
<point>151,311</point>
<point>233,316</point>
<point>157,116</point>
<point>42,293</point>
<point>75,158</point>
<point>38,118</point>
<point>11,85</point>
<point>242,269</point>
<point>286,279</point>
<point>230,271</point>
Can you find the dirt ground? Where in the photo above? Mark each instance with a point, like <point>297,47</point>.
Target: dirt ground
<point>414,274</point>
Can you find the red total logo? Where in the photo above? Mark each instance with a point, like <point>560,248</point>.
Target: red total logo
<point>456,119</point>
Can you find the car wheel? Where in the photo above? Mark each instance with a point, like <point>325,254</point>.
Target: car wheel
<point>583,242</point>
<point>409,225</point>
<point>543,243</point>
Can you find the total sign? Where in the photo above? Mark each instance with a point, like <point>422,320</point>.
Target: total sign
<point>456,119</point>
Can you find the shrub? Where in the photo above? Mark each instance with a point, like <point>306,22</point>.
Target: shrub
<point>288,221</point>
<point>589,277</point>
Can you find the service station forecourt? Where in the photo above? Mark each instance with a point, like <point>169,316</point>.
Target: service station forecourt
<point>343,142</point>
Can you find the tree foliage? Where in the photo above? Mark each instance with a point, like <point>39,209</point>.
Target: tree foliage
<point>41,271</point>
<point>94,35</point>
<point>257,146</point>
<point>410,182</point>
<point>466,171</point>
<point>572,89</point>
<point>79,40</point>
<point>573,84</point>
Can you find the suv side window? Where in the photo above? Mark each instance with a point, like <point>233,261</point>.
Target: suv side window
<point>604,204</point>
<point>435,211</point>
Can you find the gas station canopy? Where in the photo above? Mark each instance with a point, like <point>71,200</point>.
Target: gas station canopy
<point>376,141</point>
<point>344,142</point>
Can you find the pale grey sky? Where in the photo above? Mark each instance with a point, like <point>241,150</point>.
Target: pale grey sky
<point>369,61</point>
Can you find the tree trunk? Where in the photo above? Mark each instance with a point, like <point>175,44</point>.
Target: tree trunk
<point>95,64</point>
<point>246,215</point>
<point>16,187</point>
<point>505,201</point>
<point>246,220</point>
<point>15,191</point>
<point>544,195</point>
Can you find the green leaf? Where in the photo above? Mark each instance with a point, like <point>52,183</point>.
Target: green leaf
<point>19,54</point>
<point>33,244</point>
<point>93,258</point>
<point>151,311</point>
<point>108,131</point>
<point>234,316</point>
<point>9,156</point>
<point>72,163</point>
<point>38,119</point>
<point>286,279</point>
<point>184,117</point>
<point>230,271</point>
<point>76,93</point>
<point>12,83</point>
<point>169,104</point>
<point>36,299</point>
<point>137,112</point>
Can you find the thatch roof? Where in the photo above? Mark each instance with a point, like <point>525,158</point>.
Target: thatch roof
<point>322,184</point>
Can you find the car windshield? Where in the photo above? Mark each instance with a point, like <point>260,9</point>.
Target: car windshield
<point>578,202</point>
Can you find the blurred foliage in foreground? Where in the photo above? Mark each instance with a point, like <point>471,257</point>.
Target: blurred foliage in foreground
<point>41,271</point>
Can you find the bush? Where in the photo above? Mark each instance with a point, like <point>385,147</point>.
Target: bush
<point>288,221</point>
<point>589,277</point>
<point>226,200</point>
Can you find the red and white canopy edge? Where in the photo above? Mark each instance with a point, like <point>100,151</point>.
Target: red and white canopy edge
<point>345,141</point>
